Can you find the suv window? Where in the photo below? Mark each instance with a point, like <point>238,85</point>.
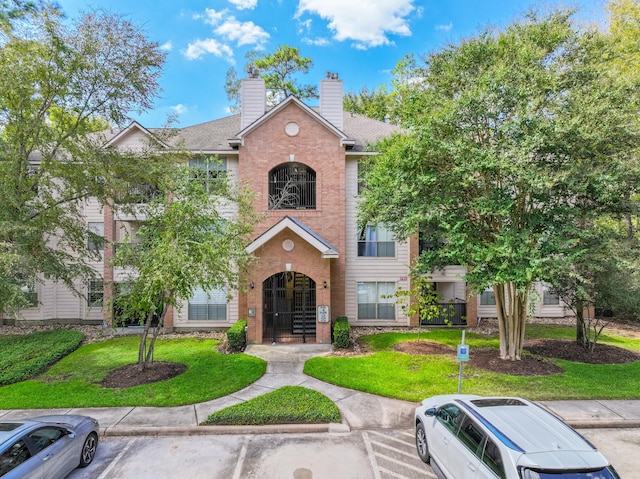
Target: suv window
<point>450,416</point>
<point>471,435</point>
<point>491,457</point>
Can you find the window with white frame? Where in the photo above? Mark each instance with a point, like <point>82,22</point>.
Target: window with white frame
<point>488,297</point>
<point>376,241</point>
<point>30,294</point>
<point>95,241</point>
<point>208,305</point>
<point>374,301</point>
<point>95,293</point>
<point>208,170</point>
<point>549,297</point>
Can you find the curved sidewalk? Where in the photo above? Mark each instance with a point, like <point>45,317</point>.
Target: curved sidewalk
<point>284,368</point>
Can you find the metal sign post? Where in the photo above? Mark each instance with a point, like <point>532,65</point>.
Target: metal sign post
<point>463,356</point>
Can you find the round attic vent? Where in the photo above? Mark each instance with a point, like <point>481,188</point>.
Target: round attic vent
<point>292,129</point>
<point>287,245</point>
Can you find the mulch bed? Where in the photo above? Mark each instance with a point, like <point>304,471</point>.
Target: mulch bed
<point>536,363</point>
<point>129,376</point>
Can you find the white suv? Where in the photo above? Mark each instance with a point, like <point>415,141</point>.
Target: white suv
<point>474,437</point>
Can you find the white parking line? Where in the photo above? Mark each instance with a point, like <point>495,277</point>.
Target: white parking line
<point>390,438</point>
<point>402,463</point>
<point>243,453</point>
<point>394,449</point>
<point>372,457</point>
<point>116,459</point>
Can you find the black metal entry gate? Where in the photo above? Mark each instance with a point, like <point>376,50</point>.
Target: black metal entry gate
<point>289,308</point>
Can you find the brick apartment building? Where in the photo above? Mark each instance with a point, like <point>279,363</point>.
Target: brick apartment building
<point>313,263</point>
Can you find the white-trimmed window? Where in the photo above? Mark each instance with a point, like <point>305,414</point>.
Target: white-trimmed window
<point>95,293</point>
<point>208,305</point>
<point>95,241</point>
<point>30,293</point>
<point>488,297</point>
<point>372,305</point>
<point>208,170</point>
<point>376,241</point>
<point>549,298</point>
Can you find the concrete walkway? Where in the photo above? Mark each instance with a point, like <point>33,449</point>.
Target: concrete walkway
<point>284,368</point>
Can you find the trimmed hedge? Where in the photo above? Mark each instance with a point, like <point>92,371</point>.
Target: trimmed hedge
<point>23,357</point>
<point>341,332</point>
<point>236,335</point>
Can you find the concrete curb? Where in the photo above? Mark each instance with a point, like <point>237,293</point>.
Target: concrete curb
<point>213,430</point>
<point>609,424</point>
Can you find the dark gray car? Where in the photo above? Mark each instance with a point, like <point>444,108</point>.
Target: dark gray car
<point>46,447</point>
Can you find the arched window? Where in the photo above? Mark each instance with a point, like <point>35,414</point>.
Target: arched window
<point>292,186</point>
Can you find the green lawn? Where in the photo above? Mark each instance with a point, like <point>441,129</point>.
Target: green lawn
<point>74,380</point>
<point>413,378</point>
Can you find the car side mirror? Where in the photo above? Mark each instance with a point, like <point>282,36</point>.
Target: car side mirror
<point>71,434</point>
<point>430,412</point>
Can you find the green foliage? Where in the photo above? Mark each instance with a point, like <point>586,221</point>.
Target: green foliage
<point>341,333</point>
<point>237,336</point>
<point>414,377</point>
<point>186,242</point>
<point>23,357</point>
<point>287,405</point>
<point>60,81</point>
<point>515,140</point>
<point>75,380</point>
<point>372,104</point>
<point>278,69</point>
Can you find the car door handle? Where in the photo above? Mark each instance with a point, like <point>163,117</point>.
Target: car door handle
<point>47,457</point>
<point>472,467</point>
<point>445,440</point>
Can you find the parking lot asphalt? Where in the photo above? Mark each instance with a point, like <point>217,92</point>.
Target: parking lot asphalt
<point>359,410</point>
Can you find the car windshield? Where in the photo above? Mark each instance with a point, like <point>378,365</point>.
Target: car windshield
<point>606,473</point>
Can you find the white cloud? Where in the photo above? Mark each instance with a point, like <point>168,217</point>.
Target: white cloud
<point>368,24</point>
<point>199,48</point>
<point>318,42</point>
<point>167,46</point>
<point>179,109</point>
<point>445,28</point>
<point>211,16</point>
<point>244,4</point>
<point>243,33</point>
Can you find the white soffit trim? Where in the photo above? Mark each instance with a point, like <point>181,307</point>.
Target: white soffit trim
<point>325,249</point>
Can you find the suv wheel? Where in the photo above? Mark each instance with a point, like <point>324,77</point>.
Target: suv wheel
<point>421,443</point>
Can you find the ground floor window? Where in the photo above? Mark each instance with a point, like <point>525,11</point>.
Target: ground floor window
<point>30,294</point>
<point>95,293</point>
<point>208,305</point>
<point>372,300</point>
<point>488,297</point>
<point>549,297</point>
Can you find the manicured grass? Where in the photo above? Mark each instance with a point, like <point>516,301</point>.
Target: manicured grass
<point>74,381</point>
<point>287,405</point>
<point>413,378</point>
<point>24,356</point>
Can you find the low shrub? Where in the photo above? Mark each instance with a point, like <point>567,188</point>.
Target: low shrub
<point>23,357</point>
<point>237,336</point>
<point>341,332</point>
<point>287,405</point>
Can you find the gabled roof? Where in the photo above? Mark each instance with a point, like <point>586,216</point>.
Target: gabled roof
<point>299,228</point>
<point>133,126</point>
<point>282,105</point>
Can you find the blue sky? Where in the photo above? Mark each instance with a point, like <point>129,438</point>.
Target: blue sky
<point>362,40</point>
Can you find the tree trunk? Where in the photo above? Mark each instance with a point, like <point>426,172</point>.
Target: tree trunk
<point>156,331</point>
<point>581,337</point>
<point>511,308</point>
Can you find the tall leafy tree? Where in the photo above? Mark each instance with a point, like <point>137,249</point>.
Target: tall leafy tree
<point>279,70</point>
<point>513,139</point>
<point>186,242</point>
<point>59,83</point>
<point>372,104</point>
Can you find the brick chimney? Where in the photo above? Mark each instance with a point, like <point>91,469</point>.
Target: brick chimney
<point>253,97</point>
<point>331,99</point>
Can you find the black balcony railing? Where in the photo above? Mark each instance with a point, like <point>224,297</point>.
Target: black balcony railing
<point>454,314</point>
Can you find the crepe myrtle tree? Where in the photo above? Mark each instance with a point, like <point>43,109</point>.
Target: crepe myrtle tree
<point>61,81</point>
<point>194,235</point>
<point>512,137</point>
